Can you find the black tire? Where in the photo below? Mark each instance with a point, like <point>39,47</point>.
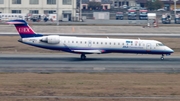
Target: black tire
<point>162,58</point>
<point>83,57</point>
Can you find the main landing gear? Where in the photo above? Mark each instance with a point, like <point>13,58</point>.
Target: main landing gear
<point>83,57</point>
<point>162,57</point>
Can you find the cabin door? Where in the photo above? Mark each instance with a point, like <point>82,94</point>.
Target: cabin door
<point>148,46</point>
<point>89,43</point>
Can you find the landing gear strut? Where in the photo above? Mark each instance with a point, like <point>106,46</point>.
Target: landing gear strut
<point>162,57</point>
<point>83,56</point>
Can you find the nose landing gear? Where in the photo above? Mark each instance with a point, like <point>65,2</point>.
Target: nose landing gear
<point>162,57</point>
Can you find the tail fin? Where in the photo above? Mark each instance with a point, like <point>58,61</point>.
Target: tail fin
<point>24,29</point>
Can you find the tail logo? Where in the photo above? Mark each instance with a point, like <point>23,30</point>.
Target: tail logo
<point>24,30</point>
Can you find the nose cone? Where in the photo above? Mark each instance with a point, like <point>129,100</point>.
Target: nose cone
<point>169,50</point>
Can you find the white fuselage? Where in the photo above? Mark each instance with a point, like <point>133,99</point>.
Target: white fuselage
<point>98,45</point>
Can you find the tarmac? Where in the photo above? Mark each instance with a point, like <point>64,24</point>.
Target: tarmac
<point>95,29</point>
<point>94,63</point>
<point>121,63</point>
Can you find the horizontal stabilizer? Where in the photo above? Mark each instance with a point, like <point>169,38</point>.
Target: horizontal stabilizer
<point>14,22</point>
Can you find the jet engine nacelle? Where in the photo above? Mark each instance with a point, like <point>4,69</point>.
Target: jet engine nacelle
<point>52,39</point>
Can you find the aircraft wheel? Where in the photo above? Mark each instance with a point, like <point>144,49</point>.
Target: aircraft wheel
<point>162,58</point>
<point>83,57</point>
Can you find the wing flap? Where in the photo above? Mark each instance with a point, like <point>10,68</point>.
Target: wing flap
<point>88,51</point>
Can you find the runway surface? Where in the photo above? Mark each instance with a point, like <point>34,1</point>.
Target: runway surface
<point>153,98</point>
<point>48,63</point>
<point>102,35</point>
<point>88,30</point>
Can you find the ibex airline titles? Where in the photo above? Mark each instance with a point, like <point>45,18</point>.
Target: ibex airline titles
<point>87,45</point>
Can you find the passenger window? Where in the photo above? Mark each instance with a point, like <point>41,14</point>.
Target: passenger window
<point>106,43</point>
<point>101,42</point>
<point>85,42</point>
<point>76,41</point>
<point>110,43</point>
<point>97,42</point>
<point>114,43</point>
<point>122,43</point>
<point>81,42</point>
<point>93,42</point>
<point>72,41</point>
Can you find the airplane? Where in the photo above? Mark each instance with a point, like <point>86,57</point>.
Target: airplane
<point>88,45</point>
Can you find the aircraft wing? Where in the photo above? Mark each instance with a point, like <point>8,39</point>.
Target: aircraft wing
<point>86,51</point>
<point>89,51</point>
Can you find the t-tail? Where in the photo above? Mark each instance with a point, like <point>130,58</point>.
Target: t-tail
<point>24,30</point>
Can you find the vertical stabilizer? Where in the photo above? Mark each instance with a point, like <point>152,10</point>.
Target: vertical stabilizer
<point>24,29</point>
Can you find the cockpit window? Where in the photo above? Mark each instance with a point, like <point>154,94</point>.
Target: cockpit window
<point>159,44</point>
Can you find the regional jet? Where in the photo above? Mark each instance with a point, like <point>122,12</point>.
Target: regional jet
<point>88,45</point>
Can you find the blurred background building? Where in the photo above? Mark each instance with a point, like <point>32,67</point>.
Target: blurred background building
<point>66,8</point>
